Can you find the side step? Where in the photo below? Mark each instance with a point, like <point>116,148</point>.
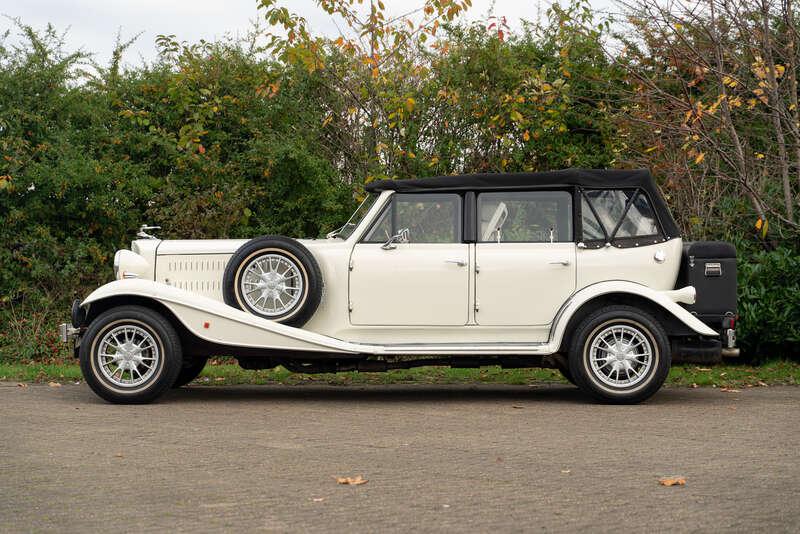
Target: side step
<point>367,365</point>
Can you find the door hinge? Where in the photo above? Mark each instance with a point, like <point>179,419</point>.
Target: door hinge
<point>477,306</point>
<point>350,306</point>
<point>350,265</point>
<point>477,268</point>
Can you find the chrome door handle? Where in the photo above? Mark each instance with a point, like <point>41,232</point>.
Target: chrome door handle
<point>562,262</point>
<point>457,262</point>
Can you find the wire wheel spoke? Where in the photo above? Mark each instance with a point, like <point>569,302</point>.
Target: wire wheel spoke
<point>272,284</point>
<point>128,356</point>
<point>620,355</point>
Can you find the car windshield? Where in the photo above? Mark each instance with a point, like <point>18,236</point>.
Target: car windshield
<point>346,231</point>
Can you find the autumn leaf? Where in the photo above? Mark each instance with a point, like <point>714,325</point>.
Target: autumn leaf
<point>700,157</point>
<point>410,102</point>
<point>516,116</point>
<point>351,481</point>
<point>526,136</point>
<point>54,384</point>
<point>672,481</point>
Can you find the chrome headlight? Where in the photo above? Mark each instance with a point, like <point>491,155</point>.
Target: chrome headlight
<point>128,264</point>
<point>116,264</point>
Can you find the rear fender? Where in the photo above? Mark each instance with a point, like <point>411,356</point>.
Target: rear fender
<point>666,300</point>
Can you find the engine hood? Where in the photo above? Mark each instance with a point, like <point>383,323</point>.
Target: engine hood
<point>220,246</point>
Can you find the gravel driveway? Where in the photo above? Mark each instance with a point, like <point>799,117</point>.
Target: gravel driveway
<point>437,458</point>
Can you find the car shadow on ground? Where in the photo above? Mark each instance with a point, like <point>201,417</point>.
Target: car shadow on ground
<point>397,393</point>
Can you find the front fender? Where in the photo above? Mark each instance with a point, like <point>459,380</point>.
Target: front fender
<point>668,300</point>
<point>214,321</point>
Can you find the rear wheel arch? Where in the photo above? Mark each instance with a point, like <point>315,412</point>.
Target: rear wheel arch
<point>673,326</point>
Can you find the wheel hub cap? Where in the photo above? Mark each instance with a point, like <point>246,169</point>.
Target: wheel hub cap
<point>620,355</point>
<point>128,356</point>
<point>272,284</point>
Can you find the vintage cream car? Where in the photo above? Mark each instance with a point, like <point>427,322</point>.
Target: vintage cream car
<point>580,270</point>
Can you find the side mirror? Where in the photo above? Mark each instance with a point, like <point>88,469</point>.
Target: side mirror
<point>401,236</point>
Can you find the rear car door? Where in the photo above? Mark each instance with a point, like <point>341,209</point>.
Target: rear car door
<point>525,257</point>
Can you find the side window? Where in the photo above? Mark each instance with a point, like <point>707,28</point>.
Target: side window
<point>430,218</point>
<point>525,217</point>
<point>640,219</point>
<point>610,205</point>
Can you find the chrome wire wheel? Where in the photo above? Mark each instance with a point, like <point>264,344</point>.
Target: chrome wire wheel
<point>128,356</point>
<point>272,284</point>
<point>621,355</point>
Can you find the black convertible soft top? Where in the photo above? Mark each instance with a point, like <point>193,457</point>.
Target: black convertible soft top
<point>586,178</point>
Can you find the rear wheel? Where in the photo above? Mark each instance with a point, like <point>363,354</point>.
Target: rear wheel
<point>130,355</point>
<point>620,354</point>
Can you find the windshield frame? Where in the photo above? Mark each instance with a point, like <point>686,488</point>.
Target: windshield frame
<point>358,216</point>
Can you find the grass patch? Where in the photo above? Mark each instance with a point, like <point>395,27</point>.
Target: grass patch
<point>687,375</point>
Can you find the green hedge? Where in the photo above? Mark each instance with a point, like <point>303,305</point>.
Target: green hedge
<point>215,142</point>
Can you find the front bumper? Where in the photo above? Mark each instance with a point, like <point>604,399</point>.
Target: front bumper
<point>66,332</point>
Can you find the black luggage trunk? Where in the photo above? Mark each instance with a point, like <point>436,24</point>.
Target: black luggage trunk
<point>710,266</point>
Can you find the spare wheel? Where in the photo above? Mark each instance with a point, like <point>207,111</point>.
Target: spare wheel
<point>274,277</point>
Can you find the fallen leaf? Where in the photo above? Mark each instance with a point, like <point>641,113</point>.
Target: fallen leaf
<point>318,499</point>
<point>672,481</point>
<point>21,385</point>
<point>516,407</point>
<point>445,506</point>
<point>566,471</point>
<point>703,368</point>
<point>729,390</point>
<point>219,379</point>
<point>54,384</point>
<point>695,385</point>
<point>351,481</point>
<point>118,455</point>
<point>762,384</point>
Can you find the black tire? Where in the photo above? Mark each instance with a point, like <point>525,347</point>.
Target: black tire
<point>310,294</point>
<point>167,354</point>
<point>191,369</point>
<point>634,320</point>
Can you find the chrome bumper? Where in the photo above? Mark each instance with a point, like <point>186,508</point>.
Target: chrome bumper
<point>67,331</point>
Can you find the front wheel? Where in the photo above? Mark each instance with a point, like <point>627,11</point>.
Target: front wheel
<point>130,355</point>
<point>620,354</point>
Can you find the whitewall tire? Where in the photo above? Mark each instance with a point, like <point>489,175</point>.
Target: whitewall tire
<point>130,355</point>
<point>620,354</point>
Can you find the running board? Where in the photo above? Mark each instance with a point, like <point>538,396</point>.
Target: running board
<point>457,348</point>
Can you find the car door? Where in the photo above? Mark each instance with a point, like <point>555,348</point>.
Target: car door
<point>524,257</point>
<point>423,280</point>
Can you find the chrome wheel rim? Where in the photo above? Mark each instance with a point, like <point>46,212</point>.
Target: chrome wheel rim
<point>272,284</point>
<point>128,356</point>
<point>621,356</point>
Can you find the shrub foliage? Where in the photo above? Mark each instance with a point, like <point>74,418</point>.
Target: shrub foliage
<point>237,139</point>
